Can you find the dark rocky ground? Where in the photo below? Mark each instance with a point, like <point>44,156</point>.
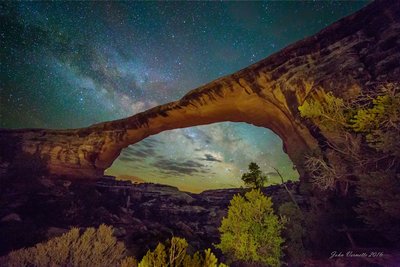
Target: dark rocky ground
<point>142,214</point>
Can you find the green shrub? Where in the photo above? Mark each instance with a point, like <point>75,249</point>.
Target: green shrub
<point>362,152</point>
<point>176,256</point>
<point>156,258</point>
<point>254,178</point>
<point>251,232</point>
<point>98,247</point>
<point>194,261</point>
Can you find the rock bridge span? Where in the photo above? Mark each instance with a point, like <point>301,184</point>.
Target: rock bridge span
<point>344,58</point>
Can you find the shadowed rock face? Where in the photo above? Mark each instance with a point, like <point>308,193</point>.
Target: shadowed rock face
<point>142,215</point>
<point>351,54</point>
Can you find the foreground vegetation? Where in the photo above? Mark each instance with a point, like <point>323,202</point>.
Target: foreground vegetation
<point>98,247</point>
<point>356,182</point>
<point>251,233</point>
<point>175,255</point>
<point>93,247</point>
<point>360,156</point>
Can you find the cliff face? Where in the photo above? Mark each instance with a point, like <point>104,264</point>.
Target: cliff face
<point>351,54</point>
<point>142,215</point>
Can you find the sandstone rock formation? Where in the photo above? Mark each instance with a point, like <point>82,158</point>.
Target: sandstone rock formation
<point>143,214</point>
<point>346,57</point>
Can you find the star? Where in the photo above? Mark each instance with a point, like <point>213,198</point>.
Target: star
<point>76,64</point>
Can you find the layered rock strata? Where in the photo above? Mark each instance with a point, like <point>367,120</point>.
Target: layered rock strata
<point>352,54</point>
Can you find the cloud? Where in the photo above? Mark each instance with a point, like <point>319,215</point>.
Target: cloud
<point>226,136</point>
<point>140,106</point>
<point>150,142</point>
<point>140,151</point>
<point>126,158</point>
<point>209,157</point>
<point>187,167</point>
<point>189,137</point>
<point>145,152</point>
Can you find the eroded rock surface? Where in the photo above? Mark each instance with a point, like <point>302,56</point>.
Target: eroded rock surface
<point>346,57</point>
<point>142,215</point>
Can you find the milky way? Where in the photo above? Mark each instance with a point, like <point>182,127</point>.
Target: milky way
<point>73,64</point>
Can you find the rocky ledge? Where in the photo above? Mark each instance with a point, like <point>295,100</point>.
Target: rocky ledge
<point>142,214</point>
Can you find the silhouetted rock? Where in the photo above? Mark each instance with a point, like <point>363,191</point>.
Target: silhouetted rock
<point>11,217</point>
<point>142,214</point>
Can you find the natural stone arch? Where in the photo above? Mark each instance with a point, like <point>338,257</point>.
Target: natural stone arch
<point>89,151</point>
<point>219,101</point>
<point>344,58</point>
<point>204,157</point>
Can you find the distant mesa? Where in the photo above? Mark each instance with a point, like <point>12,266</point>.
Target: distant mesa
<point>345,58</point>
<point>132,178</point>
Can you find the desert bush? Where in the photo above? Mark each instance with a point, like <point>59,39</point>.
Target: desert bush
<point>158,257</point>
<point>251,232</point>
<point>93,247</point>
<point>98,247</point>
<point>175,255</point>
<point>128,262</point>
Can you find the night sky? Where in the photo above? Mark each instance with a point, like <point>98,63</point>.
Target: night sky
<point>73,64</point>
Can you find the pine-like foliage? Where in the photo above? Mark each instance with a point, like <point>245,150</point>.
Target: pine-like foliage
<point>380,122</point>
<point>175,255</point>
<point>129,262</point>
<point>254,178</point>
<point>158,257</point>
<point>252,232</point>
<point>194,261</point>
<point>210,260</point>
<point>362,151</point>
<point>325,110</point>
